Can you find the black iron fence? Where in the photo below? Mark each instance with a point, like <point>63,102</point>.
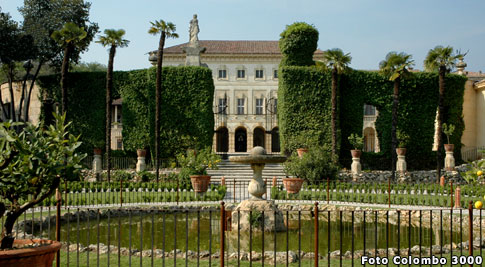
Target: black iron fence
<point>222,235</point>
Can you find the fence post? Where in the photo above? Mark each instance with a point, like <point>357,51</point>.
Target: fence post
<point>177,191</point>
<point>234,190</point>
<point>451,193</point>
<point>223,222</point>
<point>328,192</point>
<point>58,226</point>
<point>121,192</point>
<point>389,191</point>
<point>470,229</point>
<point>65,194</point>
<point>316,234</point>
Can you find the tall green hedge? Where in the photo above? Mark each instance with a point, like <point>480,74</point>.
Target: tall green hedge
<point>298,42</point>
<point>86,100</point>
<point>187,116</point>
<point>187,99</point>
<point>305,104</point>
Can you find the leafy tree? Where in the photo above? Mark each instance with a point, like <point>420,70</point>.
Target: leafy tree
<point>441,59</point>
<point>114,39</point>
<point>298,42</point>
<point>395,66</point>
<point>32,163</point>
<point>336,60</point>
<point>68,37</point>
<point>16,46</point>
<point>89,67</point>
<point>166,30</point>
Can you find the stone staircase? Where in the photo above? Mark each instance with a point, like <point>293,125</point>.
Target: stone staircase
<point>243,172</point>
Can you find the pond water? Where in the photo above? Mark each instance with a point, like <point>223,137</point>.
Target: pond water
<point>179,229</point>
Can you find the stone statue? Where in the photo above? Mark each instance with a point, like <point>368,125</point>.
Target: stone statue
<point>194,30</point>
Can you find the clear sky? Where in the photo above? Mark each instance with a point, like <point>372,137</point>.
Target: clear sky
<point>368,29</point>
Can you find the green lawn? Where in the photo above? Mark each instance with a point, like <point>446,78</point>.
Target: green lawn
<point>135,261</point>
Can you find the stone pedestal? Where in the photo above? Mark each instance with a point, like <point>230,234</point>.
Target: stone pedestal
<point>192,57</point>
<point>458,197</point>
<point>449,161</point>
<point>97,164</point>
<point>140,164</point>
<point>356,168</point>
<point>401,163</point>
<point>271,220</point>
<point>257,187</point>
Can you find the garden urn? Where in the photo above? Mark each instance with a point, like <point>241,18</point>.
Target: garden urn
<point>141,164</point>
<point>449,158</point>
<point>41,255</point>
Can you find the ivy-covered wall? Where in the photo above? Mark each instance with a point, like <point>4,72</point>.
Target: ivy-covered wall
<point>304,103</point>
<point>187,99</point>
<point>186,109</point>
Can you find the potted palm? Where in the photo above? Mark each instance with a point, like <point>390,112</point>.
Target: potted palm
<point>32,163</point>
<point>195,164</point>
<point>357,142</point>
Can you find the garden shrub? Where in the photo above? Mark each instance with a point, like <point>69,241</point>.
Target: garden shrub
<point>297,44</point>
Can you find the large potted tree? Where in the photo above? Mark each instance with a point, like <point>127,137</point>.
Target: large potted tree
<point>32,163</point>
<point>195,164</point>
<point>313,167</point>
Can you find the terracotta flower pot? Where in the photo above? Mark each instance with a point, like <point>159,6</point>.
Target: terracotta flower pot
<point>200,183</point>
<point>292,185</point>
<point>401,151</point>
<point>356,153</point>
<point>449,147</point>
<point>97,151</point>
<point>141,152</point>
<point>38,256</point>
<point>301,151</point>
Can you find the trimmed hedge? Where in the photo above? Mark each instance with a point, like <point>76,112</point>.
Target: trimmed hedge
<point>298,42</point>
<point>187,99</point>
<point>304,105</point>
<point>186,109</point>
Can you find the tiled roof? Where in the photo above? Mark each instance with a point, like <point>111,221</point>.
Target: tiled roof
<point>233,47</point>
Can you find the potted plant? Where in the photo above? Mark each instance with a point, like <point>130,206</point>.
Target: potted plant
<point>312,167</point>
<point>195,164</point>
<point>357,142</point>
<point>403,139</point>
<point>448,129</point>
<point>32,163</point>
<point>302,142</point>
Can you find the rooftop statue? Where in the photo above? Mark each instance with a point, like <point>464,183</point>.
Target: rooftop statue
<point>194,31</point>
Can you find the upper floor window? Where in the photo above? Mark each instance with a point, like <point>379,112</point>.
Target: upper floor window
<point>369,110</point>
<point>240,106</point>
<point>222,106</point>
<point>259,74</point>
<point>222,74</point>
<point>241,74</point>
<point>259,106</point>
<point>275,74</point>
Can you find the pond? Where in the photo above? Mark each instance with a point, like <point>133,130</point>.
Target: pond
<point>180,230</point>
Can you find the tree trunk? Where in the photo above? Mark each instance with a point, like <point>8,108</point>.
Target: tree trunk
<point>157,99</point>
<point>439,122</point>
<point>27,101</point>
<point>334,112</point>
<point>64,73</point>
<point>7,235</point>
<point>109,86</point>
<point>395,106</point>
<point>22,96</point>
<point>10,87</point>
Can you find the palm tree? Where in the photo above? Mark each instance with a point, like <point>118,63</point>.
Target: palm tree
<point>338,62</point>
<point>68,37</point>
<point>114,39</point>
<point>396,67</point>
<point>441,59</point>
<point>167,30</point>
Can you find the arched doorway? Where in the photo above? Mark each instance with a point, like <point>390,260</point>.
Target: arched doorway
<point>369,140</point>
<point>258,137</point>
<point>222,140</point>
<point>241,140</point>
<point>275,140</point>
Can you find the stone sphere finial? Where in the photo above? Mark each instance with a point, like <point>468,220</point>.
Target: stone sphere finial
<point>258,151</point>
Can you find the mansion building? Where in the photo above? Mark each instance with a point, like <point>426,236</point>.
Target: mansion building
<point>245,75</point>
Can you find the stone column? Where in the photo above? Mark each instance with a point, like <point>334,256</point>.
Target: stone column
<point>458,197</point>
<point>356,168</point>
<point>267,141</point>
<point>140,164</point>
<point>449,161</point>
<point>97,164</point>
<point>231,142</point>
<point>249,141</point>
<point>401,163</point>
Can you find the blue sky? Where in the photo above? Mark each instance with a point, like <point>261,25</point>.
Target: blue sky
<point>368,29</point>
